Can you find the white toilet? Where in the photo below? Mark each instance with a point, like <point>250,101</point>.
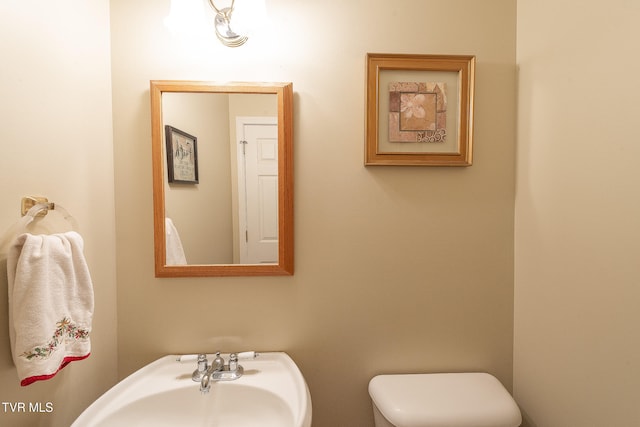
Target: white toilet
<point>439,400</point>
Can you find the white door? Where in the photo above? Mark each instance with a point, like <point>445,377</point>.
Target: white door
<point>258,189</point>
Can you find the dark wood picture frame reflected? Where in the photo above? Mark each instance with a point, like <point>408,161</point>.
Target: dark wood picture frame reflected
<point>182,156</point>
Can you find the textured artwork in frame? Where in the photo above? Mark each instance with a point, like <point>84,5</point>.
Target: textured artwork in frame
<point>182,156</point>
<point>419,110</point>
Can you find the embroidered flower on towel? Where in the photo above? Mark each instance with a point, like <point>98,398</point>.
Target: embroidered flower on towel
<point>65,331</point>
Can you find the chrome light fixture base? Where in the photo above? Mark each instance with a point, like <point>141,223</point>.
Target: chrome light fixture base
<point>222,24</point>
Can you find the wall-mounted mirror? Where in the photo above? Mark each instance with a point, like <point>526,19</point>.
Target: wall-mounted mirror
<point>222,178</point>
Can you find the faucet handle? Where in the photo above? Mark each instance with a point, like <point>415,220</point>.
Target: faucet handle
<point>203,365</point>
<point>202,361</point>
<point>248,355</point>
<point>233,362</point>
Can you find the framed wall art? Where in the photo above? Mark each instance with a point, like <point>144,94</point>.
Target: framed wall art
<point>182,156</point>
<point>419,109</point>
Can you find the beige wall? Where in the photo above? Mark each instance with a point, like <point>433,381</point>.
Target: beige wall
<point>398,269</point>
<point>56,141</point>
<point>577,208</point>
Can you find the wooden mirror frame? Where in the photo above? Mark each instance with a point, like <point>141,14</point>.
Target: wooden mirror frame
<point>284,266</point>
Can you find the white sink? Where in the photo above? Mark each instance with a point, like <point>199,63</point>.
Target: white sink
<point>271,393</point>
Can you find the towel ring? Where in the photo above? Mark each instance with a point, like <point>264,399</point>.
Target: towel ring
<point>38,209</point>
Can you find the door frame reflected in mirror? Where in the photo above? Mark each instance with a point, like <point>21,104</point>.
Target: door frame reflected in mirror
<point>284,93</point>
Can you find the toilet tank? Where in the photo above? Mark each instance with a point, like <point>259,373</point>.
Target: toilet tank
<point>448,399</point>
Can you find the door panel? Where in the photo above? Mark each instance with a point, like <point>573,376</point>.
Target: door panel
<point>258,178</point>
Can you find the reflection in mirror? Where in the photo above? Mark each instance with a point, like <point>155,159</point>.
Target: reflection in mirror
<point>236,219</point>
<point>230,211</point>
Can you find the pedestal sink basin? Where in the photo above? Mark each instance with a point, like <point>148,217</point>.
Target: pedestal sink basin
<point>271,393</point>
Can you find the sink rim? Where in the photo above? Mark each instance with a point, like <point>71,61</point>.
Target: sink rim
<point>168,373</point>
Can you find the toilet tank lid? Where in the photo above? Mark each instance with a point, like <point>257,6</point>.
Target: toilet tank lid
<point>451,399</point>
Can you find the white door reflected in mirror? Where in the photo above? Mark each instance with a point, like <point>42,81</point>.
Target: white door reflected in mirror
<point>258,189</point>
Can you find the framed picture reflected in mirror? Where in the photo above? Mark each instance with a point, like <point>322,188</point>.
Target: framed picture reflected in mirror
<point>182,156</point>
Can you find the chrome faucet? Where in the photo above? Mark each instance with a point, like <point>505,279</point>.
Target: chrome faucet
<point>218,371</point>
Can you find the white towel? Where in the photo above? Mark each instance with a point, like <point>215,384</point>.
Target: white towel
<point>50,304</point>
<point>173,244</point>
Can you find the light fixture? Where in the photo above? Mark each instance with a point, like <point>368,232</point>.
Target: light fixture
<point>225,34</point>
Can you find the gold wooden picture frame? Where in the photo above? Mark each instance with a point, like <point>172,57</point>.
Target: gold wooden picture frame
<point>419,110</point>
